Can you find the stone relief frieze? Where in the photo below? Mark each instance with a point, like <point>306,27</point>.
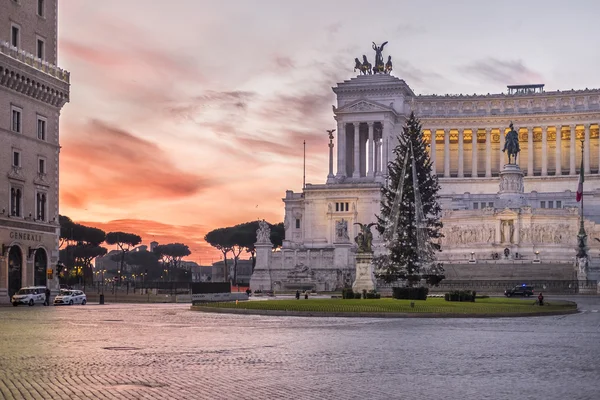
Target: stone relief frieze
<point>511,183</point>
<point>548,234</point>
<point>468,235</point>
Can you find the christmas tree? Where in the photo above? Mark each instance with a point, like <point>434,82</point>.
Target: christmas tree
<point>409,221</point>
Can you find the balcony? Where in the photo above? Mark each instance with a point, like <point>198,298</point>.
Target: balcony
<point>34,62</point>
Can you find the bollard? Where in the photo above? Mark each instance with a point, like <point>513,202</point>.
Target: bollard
<point>102,299</point>
<point>412,304</point>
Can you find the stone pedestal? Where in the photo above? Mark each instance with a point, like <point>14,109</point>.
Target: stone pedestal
<point>365,277</point>
<point>511,187</point>
<point>261,277</point>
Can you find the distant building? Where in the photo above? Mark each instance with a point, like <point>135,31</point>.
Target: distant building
<point>244,271</point>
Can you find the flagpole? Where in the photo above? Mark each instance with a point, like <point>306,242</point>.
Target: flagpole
<point>304,168</point>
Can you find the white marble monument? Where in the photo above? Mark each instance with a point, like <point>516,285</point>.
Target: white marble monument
<point>528,207</point>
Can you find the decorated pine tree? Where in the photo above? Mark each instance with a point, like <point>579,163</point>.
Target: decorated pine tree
<point>410,219</point>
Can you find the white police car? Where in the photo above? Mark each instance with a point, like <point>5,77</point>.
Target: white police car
<point>70,297</point>
<point>30,295</point>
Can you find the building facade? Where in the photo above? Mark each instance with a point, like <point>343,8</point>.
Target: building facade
<point>487,222</point>
<point>33,89</point>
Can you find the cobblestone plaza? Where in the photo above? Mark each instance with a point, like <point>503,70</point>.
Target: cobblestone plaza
<point>168,352</point>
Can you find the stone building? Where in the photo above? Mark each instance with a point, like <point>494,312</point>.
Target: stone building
<point>33,89</point>
<point>491,225</point>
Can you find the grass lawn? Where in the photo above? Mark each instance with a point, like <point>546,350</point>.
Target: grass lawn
<point>431,305</point>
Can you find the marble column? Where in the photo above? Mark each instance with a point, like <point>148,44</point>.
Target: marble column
<point>446,153</point>
<point>341,150</point>
<point>544,150</point>
<point>586,149</point>
<point>502,154</point>
<point>433,155</point>
<point>474,153</point>
<point>377,157</point>
<point>572,163</point>
<point>488,152</point>
<point>558,150</point>
<point>356,173</point>
<point>385,142</point>
<point>461,153</point>
<point>371,158</point>
<point>529,151</point>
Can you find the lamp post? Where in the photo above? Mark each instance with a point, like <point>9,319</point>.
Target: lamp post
<point>582,257</point>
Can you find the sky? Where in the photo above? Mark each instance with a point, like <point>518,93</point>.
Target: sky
<point>189,115</point>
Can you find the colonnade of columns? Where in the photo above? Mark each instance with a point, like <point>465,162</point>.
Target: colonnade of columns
<point>551,138</point>
<point>362,150</point>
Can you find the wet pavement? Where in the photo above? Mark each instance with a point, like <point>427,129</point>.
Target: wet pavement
<point>165,351</point>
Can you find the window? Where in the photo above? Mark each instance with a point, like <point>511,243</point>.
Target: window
<point>16,119</point>
<point>41,166</point>
<point>16,158</point>
<point>341,206</point>
<point>40,8</point>
<point>15,202</point>
<point>15,37</point>
<point>40,49</point>
<point>297,223</point>
<point>491,204</point>
<point>550,204</point>
<point>41,128</point>
<point>41,206</point>
<point>542,204</point>
<point>475,206</point>
<point>558,204</point>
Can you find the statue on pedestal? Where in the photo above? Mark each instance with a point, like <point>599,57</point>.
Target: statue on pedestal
<point>364,239</point>
<point>263,234</point>
<point>511,145</point>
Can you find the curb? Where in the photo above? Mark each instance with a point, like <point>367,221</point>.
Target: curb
<point>283,313</point>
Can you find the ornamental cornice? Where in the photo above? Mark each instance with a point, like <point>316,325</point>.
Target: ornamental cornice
<point>507,105</point>
<point>27,83</point>
<point>372,84</point>
<point>41,179</point>
<point>364,106</point>
<point>16,173</point>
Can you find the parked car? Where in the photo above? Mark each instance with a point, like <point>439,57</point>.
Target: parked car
<point>30,295</point>
<point>70,297</point>
<point>519,290</point>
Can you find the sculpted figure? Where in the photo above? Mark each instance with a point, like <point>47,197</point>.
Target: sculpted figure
<point>388,65</point>
<point>365,66</point>
<point>341,230</point>
<point>379,66</point>
<point>511,145</point>
<point>263,234</point>
<point>364,239</point>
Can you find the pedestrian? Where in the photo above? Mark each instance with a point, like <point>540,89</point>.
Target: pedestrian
<point>541,299</point>
<point>305,295</point>
<point>297,295</point>
<point>47,301</point>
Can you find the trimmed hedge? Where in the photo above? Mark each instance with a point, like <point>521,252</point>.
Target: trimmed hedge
<point>410,293</point>
<point>461,295</point>
<point>349,294</point>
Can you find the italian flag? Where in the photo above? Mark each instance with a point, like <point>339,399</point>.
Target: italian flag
<point>580,186</point>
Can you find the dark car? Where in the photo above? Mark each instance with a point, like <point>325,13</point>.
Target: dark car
<point>519,290</point>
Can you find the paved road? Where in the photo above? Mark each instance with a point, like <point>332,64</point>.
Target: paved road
<point>165,351</point>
